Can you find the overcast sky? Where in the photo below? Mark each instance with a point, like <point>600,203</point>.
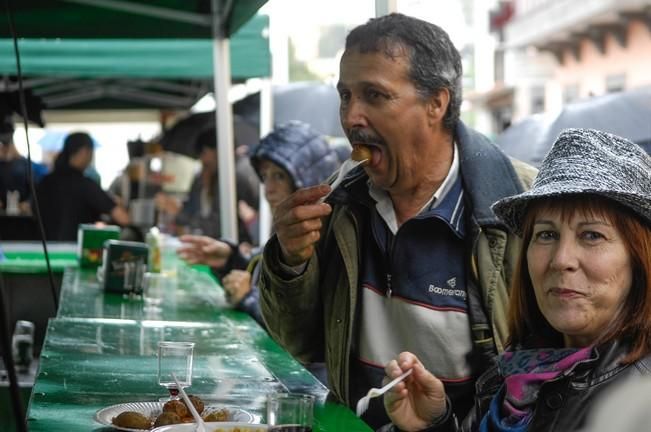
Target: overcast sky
<point>303,16</point>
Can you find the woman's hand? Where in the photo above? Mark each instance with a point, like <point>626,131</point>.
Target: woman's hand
<point>204,250</point>
<point>416,402</point>
<point>237,285</point>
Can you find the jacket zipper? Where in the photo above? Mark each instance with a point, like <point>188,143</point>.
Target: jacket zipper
<point>390,247</point>
<point>474,263</point>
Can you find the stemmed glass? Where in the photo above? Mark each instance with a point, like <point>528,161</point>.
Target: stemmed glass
<point>175,357</point>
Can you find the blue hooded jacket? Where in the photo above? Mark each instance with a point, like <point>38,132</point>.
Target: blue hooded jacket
<point>308,157</point>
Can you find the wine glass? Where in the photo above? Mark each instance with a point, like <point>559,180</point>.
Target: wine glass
<point>175,357</point>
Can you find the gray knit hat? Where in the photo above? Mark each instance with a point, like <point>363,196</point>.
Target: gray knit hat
<point>586,161</point>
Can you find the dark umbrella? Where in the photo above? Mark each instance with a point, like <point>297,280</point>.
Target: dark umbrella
<point>181,137</point>
<point>627,114</point>
<point>314,103</point>
<point>524,140</point>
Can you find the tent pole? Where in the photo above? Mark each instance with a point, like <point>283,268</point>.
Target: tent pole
<point>385,7</point>
<point>266,126</point>
<point>224,122</point>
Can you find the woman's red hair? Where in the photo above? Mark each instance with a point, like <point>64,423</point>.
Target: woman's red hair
<point>633,323</point>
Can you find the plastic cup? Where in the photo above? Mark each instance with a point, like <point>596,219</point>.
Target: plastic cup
<point>290,412</point>
<point>175,357</point>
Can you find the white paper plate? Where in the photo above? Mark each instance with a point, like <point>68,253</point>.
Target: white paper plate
<point>153,409</point>
<point>213,426</point>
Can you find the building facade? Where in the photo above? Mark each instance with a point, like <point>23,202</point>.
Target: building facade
<point>552,52</point>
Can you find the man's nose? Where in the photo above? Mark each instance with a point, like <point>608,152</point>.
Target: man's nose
<point>353,114</point>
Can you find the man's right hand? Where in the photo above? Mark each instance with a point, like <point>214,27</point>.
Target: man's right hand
<point>297,222</point>
<point>204,250</point>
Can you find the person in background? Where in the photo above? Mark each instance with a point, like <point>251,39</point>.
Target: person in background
<point>580,307</point>
<point>406,253</point>
<point>199,213</point>
<point>292,156</point>
<point>14,171</point>
<point>67,198</point>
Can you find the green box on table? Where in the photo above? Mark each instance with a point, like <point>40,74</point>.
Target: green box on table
<point>90,242</point>
<point>124,263</point>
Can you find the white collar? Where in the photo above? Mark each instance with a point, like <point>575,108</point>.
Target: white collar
<point>384,205</point>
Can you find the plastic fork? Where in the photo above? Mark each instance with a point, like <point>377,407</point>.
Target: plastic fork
<point>345,168</point>
<point>201,427</point>
<point>362,404</point>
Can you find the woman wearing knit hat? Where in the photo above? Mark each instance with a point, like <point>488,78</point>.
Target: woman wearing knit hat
<point>580,305</point>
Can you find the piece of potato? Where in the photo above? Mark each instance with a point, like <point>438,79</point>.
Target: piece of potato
<point>197,402</point>
<point>219,415</point>
<point>361,152</point>
<point>167,418</point>
<point>176,406</point>
<point>132,420</point>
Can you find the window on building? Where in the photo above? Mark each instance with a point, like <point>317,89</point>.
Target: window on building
<point>570,93</point>
<point>615,83</point>
<point>537,98</point>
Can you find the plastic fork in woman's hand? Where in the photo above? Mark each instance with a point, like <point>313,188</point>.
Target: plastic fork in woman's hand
<point>362,405</point>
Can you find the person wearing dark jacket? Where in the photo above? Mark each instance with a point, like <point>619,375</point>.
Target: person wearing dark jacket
<point>67,198</point>
<point>580,306</point>
<point>405,254</point>
<point>199,213</point>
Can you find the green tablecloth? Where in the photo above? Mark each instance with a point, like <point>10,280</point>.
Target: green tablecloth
<point>196,297</point>
<point>101,350</point>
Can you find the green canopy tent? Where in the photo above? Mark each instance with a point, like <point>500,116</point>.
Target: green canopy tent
<point>129,19</point>
<point>108,20</point>
<point>132,73</point>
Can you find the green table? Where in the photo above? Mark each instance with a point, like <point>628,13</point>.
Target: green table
<point>196,297</point>
<point>101,350</point>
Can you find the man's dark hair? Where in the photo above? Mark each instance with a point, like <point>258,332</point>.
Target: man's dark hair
<point>434,61</point>
<point>71,146</point>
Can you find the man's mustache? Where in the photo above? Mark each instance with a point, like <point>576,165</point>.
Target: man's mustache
<point>359,136</point>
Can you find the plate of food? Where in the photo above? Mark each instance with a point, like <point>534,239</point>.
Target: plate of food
<point>214,427</point>
<point>144,416</point>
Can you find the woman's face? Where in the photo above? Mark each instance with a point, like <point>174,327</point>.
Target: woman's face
<point>581,271</point>
<point>277,184</point>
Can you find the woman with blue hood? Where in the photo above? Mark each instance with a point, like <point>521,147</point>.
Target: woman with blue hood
<point>290,157</point>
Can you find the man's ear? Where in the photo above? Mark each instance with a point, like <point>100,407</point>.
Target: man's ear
<point>438,105</point>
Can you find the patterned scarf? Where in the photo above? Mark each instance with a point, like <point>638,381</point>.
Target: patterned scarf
<point>524,371</point>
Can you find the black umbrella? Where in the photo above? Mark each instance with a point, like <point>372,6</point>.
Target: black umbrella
<point>181,138</point>
<point>314,103</point>
<point>627,114</point>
